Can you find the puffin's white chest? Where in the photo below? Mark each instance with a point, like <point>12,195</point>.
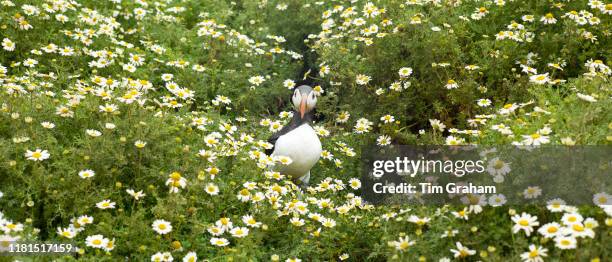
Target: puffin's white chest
<point>303,147</point>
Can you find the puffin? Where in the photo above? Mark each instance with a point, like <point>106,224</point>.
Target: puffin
<point>298,140</point>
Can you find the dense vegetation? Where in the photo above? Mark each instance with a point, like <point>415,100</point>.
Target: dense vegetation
<point>137,129</point>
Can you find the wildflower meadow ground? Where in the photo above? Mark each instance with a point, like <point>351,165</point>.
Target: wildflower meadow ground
<point>137,130</point>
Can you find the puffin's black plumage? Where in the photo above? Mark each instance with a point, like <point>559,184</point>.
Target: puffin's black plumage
<point>295,122</point>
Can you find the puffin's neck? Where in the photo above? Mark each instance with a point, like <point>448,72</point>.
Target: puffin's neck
<point>298,121</point>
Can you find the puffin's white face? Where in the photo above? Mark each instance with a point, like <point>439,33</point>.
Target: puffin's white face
<point>304,102</point>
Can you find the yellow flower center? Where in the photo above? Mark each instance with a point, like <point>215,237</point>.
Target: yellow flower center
<point>565,242</point>
<point>175,175</point>
<point>36,155</point>
<point>578,227</point>
<point>602,200</point>
<point>499,164</point>
<point>523,222</point>
<point>552,230</point>
<point>535,136</point>
<point>96,242</point>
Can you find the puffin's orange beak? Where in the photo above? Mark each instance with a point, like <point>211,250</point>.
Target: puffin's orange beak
<point>303,106</point>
